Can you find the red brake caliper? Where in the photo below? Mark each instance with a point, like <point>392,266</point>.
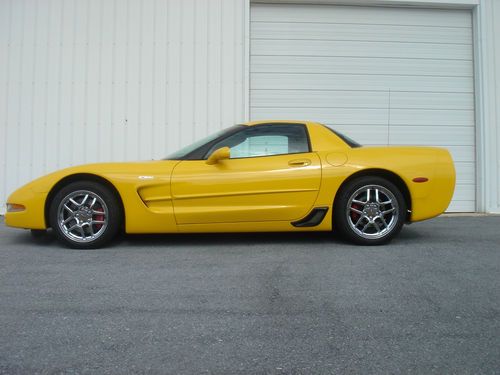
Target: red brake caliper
<point>99,218</point>
<point>354,215</point>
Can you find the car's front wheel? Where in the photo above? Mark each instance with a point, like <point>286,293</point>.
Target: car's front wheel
<point>369,210</point>
<point>85,215</point>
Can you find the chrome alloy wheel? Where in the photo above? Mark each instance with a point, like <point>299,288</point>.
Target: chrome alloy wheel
<point>82,216</point>
<point>372,211</point>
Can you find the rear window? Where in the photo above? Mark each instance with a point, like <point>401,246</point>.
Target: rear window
<point>352,143</point>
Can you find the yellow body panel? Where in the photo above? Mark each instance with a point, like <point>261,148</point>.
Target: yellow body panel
<point>246,190</point>
<point>253,194</point>
<point>144,189</point>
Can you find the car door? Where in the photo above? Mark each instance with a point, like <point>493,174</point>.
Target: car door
<point>271,175</point>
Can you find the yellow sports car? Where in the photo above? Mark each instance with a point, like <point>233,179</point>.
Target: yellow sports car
<point>255,177</point>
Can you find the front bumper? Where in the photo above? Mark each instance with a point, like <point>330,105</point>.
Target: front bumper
<point>33,216</point>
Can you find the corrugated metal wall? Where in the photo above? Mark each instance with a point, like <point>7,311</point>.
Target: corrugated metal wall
<point>491,101</point>
<point>496,51</point>
<point>104,80</point>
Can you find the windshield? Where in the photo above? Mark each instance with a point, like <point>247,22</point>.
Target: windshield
<point>184,152</point>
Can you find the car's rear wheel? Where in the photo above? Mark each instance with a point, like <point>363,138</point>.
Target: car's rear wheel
<point>369,210</point>
<point>85,215</point>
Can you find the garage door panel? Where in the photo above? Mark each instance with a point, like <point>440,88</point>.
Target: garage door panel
<point>464,198</point>
<point>432,100</point>
<point>432,117</point>
<point>463,192</point>
<point>380,75</point>
<point>362,15</point>
<point>361,99</point>
<point>460,206</point>
<point>359,49</point>
<point>319,98</point>
<point>465,172</point>
<point>360,32</point>
<point>360,82</point>
<point>367,65</point>
<point>448,119</point>
<point>431,135</point>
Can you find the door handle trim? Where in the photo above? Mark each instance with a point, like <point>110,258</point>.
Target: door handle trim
<point>299,162</point>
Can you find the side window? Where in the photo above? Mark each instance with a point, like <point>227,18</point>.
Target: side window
<point>266,140</point>
<point>261,145</point>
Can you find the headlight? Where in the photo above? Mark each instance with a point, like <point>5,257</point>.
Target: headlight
<point>14,207</point>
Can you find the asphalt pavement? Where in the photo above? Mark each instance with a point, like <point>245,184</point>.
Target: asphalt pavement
<point>428,303</point>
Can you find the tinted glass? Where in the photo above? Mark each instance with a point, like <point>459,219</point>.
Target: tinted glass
<point>185,152</point>
<point>345,138</point>
<point>265,140</point>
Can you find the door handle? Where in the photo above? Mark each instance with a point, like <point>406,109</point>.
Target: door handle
<point>299,162</point>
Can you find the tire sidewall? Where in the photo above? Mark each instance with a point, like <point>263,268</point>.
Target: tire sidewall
<point>340,220</point>
<point>114,213</point>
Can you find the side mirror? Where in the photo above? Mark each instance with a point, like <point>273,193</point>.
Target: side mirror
<point>219,154</point>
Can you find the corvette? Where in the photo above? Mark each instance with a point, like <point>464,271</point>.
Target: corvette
<point>262,176</point>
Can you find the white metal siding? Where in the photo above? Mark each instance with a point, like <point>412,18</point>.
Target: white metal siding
<point>488,102</point>
<point>496,97</point>
<point>381,75</point>
<point>103,80</point>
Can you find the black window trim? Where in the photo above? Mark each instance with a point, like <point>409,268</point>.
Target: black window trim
<point>201,152</point>
<point>348,141</point>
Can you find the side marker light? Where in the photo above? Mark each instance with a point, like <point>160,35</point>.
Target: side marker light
<point>420,179</point>
<point>13,207</point>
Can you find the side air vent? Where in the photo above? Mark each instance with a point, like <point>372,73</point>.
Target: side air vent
<point>314,218</point>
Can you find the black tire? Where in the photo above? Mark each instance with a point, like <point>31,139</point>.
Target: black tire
<point>85,215</point>
<point>362,218</point>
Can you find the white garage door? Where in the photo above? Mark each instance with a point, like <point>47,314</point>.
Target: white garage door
<point>380,75</point>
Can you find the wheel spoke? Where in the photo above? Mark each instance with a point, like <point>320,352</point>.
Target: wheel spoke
<point>72,217</point>
<point>359,221</point>
<point>72,228</point>
<point>383,221</point>
<point>69,209</point>
<point>368,195</point>
<point>356,210</point>
<point>94,212</point>
<point>74,202</point>
<point>84,200</point>
<point>377,227</point>
<point>359,202</point>
<point>388,211</point>
<point>82,232</point>
<point>98,222</point>
<point>93,202</point>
